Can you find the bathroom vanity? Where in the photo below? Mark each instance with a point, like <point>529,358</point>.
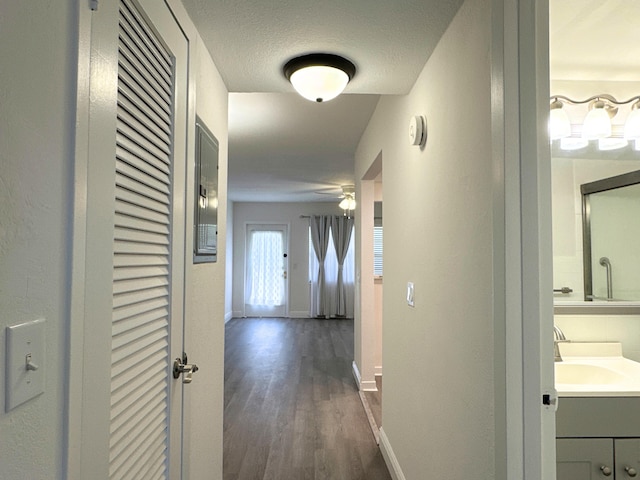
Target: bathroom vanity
<point>598,417</point>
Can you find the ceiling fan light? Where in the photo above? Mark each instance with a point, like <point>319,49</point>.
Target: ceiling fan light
<point>559,125</point>
<point>632,125</point>
<point>348,203</point>
<point>319,77</point>
<point>597,123</point>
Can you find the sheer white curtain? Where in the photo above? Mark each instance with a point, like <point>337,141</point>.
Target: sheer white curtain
<point>264,268</point>
<point>331,303</point>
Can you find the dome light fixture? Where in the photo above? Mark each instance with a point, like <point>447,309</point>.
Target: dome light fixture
<point>559,124</point>
<point>597,123</point>
<point>319,77</point>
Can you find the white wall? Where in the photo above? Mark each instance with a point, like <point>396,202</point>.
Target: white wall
<point>284,213</point>
<point>205,294</point>
<point>438,406</point>
<point>38,95</point>
<point>38,45</point>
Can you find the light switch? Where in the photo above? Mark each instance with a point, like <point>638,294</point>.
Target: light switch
<point>25,362</point>
<point>410,300</point>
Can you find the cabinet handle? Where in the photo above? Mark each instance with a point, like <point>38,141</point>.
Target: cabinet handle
<point>630,471</point>
<point>606,471</point>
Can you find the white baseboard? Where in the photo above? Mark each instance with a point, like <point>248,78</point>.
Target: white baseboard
<point>363,386</point>
<point>300,314</point>
<point>356,373</point>
<point>368,386</point>
<point>228,316</point>
<point>237,314</point>
<point>389,457</point>
<point>377,371</point>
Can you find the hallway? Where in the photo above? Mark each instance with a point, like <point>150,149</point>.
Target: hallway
<point>291,408</point>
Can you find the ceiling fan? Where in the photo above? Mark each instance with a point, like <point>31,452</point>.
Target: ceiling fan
<point>345,193</point>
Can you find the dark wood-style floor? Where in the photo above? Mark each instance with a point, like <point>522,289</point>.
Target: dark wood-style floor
<point>292,411</point>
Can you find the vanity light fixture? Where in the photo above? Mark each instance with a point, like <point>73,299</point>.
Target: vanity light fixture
<point>319,77</point>
<point>632,126</point>
<point>559,124</point>
<point>596,124</point>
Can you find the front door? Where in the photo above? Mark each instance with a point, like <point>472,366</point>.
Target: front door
<point>266,282</point>
<point>135,249</point>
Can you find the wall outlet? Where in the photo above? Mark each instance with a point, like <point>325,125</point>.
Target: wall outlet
<point>410,299</point>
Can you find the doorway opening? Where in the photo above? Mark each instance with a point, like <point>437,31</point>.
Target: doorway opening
<point>266,282</point>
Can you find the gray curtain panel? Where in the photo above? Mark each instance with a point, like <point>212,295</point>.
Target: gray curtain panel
<point>320,225</point>
<point>341,228</point>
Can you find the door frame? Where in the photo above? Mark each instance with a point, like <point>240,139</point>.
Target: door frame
<point>90,304</point>
<point>523,305</point>
<point>287,248</point>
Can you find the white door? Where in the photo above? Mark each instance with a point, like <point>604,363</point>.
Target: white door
<point>131,410</point>
<point>266,276</point>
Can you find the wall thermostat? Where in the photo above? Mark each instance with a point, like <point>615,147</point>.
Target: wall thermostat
<point>417,130</point>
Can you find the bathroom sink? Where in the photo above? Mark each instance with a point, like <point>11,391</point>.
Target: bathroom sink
<point>595,369</point>
<point>587,374</point>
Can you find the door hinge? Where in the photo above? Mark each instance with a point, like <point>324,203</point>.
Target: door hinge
<point>93,5</point>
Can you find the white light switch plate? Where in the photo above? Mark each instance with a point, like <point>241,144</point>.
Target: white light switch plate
<point>25,362</point>
<point>410,300</point>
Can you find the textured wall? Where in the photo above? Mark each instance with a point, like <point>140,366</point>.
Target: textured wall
<point>438,401</point>
<point>37,101</point>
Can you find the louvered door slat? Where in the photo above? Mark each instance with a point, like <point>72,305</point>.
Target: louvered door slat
<point>138,236</point>
<point>138,138</point>
<point>124,323</point>
<point>127,221</point>
<point>142,261</point>
<point>140,58</point>
<point>145,36</point>
<point>140,200</point>
<point>136,211</point>
<point>143,90</point>
<point>155,135</point>
<point>129,100</point>
<point>129,40</point>
<point>128,107</point>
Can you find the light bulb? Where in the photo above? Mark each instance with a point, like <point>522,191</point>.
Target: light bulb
<point>559,125</point>
<point>319,83</point>
<point>632,125</point>
<point>597,123</point>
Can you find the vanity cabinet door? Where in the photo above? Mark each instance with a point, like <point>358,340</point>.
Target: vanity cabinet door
<point>627,458</point>
<point>584,458</point>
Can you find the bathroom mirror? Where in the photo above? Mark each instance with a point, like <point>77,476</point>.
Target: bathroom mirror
<point>570,170</point>
<point>611,229</point>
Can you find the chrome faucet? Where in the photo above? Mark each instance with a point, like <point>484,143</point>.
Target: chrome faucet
<point>558,336</point>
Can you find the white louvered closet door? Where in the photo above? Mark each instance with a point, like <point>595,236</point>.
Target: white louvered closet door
<point>148,249</point>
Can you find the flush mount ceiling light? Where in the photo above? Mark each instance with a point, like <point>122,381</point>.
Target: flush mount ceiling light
<point>319,77</point>
<point>596,124</point>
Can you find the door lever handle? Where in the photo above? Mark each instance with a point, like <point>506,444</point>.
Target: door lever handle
<point>180,366</point>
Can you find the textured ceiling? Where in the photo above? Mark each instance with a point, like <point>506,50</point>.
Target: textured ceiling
<point>389,41</point>
<point>282,147</point>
